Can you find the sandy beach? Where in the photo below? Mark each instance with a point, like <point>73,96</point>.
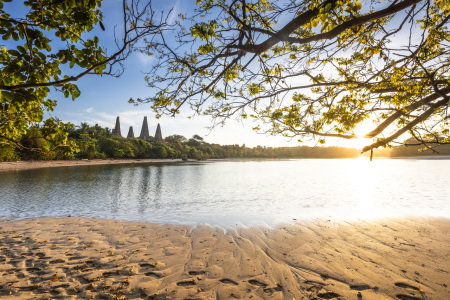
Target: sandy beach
<point>65,258</point>
<point>26,165</point>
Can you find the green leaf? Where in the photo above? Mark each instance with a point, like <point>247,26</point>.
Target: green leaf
<point>14,52</point>
<point>7,96</point>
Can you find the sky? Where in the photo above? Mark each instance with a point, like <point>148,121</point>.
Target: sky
<point>104,98</point>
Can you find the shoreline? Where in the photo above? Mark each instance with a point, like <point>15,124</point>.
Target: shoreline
<point>27,165</point>
<point>404,258</point>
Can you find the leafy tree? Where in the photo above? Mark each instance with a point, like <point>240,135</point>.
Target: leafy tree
<point>312,68</point>
<point>175,138</point>
<point>193,142</point>
<point>143,149</point>
<point>52,36</point>
<point>196,154</point>
<point>115,148</point>
<point>8,153</point>
<point>160,151</point>
<point>197,137</point>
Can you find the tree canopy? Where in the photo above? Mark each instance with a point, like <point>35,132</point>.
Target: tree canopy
<point>311,68</point>
<point>50,43</point>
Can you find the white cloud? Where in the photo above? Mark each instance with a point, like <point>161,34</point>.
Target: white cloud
<point>144,59</point>
<point>174,13</point>
<point>89,110</point>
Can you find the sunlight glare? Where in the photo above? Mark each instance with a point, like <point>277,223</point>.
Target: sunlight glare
<point>360,132</point>
<point>358,143</point>
<point>362,183</point>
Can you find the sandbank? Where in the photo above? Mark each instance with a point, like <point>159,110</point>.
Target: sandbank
<point>69,258</point>
<point>26,165</point>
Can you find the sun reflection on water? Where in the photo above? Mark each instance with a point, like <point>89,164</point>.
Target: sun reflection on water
<point>363,183</point>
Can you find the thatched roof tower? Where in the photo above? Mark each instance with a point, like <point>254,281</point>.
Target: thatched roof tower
<point>144,131</point>
<point>116,130</point>
<point>130,133</point>
<point>158,134</point>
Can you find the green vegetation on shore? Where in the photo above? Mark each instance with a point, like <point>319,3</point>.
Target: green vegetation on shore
<point>95,142</point>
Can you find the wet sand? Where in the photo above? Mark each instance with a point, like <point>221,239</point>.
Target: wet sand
<point>66,258</point>
<point>26,165</point>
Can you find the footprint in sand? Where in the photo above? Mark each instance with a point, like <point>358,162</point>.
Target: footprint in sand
<point>28,263</point>
<point>194,273</point>
<point>407,286</point>
<point>228,281</point>
<point>145,265</point>
<point>36,271</point>
<point>407,297</point>
<point>328,295</point>
<point>186,283</point>
<point>57,261</point>
<point>109,274</point>
<point>33,269</point>
<point>6,291</point>
<point>153,274</point>
<point>63,286</point>
<point>14,262</point>
<point>360,287</point>
<point>77,257</point>
<point>29,288</point>
<point>271,290</point>
<point>82,279</point>
<point>257,283</point>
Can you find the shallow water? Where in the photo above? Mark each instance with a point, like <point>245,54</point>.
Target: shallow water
<point>232,192</point>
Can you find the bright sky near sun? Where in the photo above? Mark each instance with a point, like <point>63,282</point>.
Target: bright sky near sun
<point>104,98</point>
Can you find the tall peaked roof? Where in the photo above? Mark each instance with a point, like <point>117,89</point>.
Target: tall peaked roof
<point>158,134</point>
<point>130,133</point>
<point>144,131</point>
<point>116,130</point>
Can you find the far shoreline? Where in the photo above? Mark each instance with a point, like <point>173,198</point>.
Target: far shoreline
<point>28,165</point>
<point>38,164</point>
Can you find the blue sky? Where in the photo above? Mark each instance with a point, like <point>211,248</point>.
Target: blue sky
<point>104,98</point>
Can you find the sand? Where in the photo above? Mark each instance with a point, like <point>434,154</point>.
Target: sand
<point>26,165</point>
<point>66,258</point>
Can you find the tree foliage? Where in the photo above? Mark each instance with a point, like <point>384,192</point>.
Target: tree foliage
<point>311,68</point>
<point>51,45</point>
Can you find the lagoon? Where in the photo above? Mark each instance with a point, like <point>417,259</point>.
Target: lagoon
<point>230,193</point>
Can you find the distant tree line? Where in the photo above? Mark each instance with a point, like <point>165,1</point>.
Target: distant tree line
<point>95,142</point>
<point>412,147</point>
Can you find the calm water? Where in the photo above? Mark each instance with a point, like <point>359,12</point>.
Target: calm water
<point>229,193</point>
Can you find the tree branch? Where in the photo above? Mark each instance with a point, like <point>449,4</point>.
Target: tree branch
<point>283,34</point>
<point>408,127</point>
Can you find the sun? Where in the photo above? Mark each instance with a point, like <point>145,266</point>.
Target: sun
<point>360,131</point>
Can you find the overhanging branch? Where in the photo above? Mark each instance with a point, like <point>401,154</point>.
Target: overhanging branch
<point>408,127</point>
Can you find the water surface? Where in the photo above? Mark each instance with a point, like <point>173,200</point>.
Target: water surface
<point>232,192</point>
